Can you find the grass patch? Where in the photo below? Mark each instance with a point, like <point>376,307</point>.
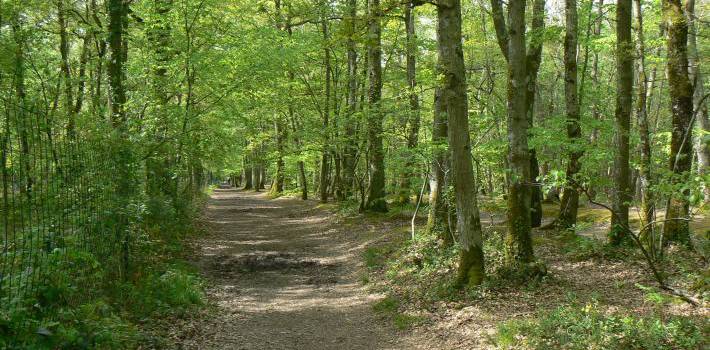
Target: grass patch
<point>390,307</point>
<point>586,327</point>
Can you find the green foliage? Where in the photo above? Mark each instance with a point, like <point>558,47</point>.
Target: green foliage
<point>588,327</point>
<point>390,307</point>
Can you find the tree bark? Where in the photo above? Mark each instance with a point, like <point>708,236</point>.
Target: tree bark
<point>570,194</point>
<point>699,106</point>
<point>405,191</point>
<point>118,18</point>
<point>438,219</point>
<point>248,174</point>
<point>533,59</point>
<point>681,96</point>
<point>65,68</point>
<point>453,92</point>
<point>350,146</point>
<point>325,159</point>
<point>622,194</point>
<point>518,240</point>
<point>647,206</point>
<point>376,196</point>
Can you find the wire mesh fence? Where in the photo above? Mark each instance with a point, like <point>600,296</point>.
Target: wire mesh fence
<point>58,199</point>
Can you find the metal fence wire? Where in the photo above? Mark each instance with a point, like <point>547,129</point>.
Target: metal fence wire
<point>58,199</point>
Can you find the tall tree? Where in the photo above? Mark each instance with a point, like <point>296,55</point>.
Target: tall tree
<point>624,84</point>
<point>647,206</point>
<point>453,93</point>
<point>279,123</point>
<point>676,226</point>
<point>350,144</point>
<point>413,115</point>
<point>66,70</point>
<point>376,196</point>
<point>158,164</point>
<point>570,194</point>
<point>438,219</point>
<point>325,159</point>
<point>533,57</point>
<point>700,107</point>
<point>118,22</point>
<point>511,39</point>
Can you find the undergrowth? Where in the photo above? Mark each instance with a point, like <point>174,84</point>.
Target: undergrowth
<point>587,328</point>
<point>84,302</point>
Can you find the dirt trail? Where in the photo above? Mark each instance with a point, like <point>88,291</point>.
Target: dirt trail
<point>283,276</point>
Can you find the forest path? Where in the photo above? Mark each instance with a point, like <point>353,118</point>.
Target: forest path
<point>283,275</point>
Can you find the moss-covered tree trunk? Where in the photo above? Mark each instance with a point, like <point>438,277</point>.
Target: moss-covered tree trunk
<point>700,105</point>
<point>569,203</point>
<point>350,145</point>
<point>453,92</point>
<point>118,19</point>
<point>518,239</point>
<point>622,193</point>
<point>647,206</point>
<point>413,115</point>
<point>325,156</point>
<point>676,227</point>
<point>376,196</point>
<point>438,220</point>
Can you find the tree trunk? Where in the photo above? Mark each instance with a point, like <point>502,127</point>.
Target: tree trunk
<point>531,64</point>
<point>248,176</point>
<point>699,106</point>
<point>646,203</point>
<point>118,18</point>
<point>518,240</point>
<point>438,219</point>
<point>158,165</point>
<point>350,146</point>
<point>376,197</point>
<point>622,194</point>
<point>65,68</point>
<point>325,159</point>
<point>279,177</point>
<point>453,92</point>
<point>534,57</point>
<point>681,96</point>
<point>570,194</point>
<point>405,191</point>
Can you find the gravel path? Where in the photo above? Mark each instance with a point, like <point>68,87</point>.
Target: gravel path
<point>283,275</point>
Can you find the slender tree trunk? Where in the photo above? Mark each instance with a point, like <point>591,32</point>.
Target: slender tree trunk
<point>279,176</point>
<point>699,106</point>
<point>376,197</point>
<point>570,194</point>
<point>438,220</point>
<point>681,96</point>
<point>405,191</point>
<point>453,92</point>
<point>646,204</point>
<point>66,71</point>
<point>622,194</point>
<point>350,146</point>
<point>518,240</point>
<point>325,159</point>
<point>21,109</point>
<point>534,57</point>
